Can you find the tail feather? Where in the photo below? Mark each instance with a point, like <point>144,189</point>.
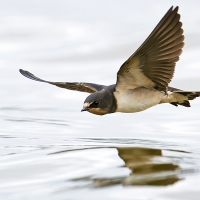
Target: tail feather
<point>184,103</point>
<point>189,94</point>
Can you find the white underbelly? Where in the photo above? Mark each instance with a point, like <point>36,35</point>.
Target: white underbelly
<point>137,100</point>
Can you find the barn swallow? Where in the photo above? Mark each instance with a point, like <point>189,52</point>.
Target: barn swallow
<point>142,80</point>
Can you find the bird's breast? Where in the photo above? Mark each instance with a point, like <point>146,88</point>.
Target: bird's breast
<point>136,100</point>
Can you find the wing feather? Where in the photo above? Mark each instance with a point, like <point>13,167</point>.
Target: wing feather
<point>153,63</point>
<point>81,87</point>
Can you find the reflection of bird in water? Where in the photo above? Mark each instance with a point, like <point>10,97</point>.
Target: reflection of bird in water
<point>147,167</point>
<point>142,80</point>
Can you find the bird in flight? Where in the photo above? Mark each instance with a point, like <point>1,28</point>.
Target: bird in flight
<point>142,80</point>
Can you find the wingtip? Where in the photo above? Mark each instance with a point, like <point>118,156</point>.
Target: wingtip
<point>29,75</point>
<point>21,70</point>
<point>174,8</point>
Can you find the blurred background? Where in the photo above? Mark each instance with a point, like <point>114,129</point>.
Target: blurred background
<point>87,41</point>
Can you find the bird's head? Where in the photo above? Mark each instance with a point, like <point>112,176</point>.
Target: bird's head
<point>99,103</point>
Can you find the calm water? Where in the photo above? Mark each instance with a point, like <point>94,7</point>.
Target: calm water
<point>48,148</point>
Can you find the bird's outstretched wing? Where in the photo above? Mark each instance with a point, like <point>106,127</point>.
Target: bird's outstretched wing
<point>82,87</point>
<point>153,63</point>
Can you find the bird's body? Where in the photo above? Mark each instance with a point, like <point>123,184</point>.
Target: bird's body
<point>138,99</point>
<point>143,79</point>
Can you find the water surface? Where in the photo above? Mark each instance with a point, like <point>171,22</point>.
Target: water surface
<point>48,148</point>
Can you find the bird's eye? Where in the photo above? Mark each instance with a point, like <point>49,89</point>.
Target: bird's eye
<point>96,103</point>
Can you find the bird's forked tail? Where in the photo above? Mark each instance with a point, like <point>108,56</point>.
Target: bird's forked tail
<point>179,97</point>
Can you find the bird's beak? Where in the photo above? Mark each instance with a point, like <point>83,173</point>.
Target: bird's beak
<point>84,109</point>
